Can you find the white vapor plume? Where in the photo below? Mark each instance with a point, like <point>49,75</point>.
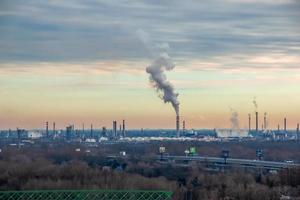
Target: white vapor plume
<point>234,119</point>
<point>161,63</point>
<point>160,82</point>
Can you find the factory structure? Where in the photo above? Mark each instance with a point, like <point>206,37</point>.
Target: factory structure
<point>118,132</point>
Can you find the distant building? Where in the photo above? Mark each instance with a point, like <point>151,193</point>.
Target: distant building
<point>34,134</point>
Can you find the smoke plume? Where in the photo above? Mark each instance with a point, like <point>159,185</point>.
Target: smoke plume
<point>234,119</point>
<point>161,63</point>
<point>159,80</point>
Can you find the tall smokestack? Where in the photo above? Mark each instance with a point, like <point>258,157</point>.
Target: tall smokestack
<point>265,121</point>
<point>284,124</point>
<point>123,130</point>
<point>54,130</point>
<point>114,128</point>
<point>183,126</point>
<point>91,130</point>
<point>249,121</point>
<point>256,121</point>
<point>47,130</point>
<point>278,127</point>
<point>177,125</point>
<point>297,132</point>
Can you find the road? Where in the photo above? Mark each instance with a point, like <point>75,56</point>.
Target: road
<point>231,161</point>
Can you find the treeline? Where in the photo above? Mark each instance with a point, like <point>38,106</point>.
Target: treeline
<point>24,173</point>
<point>236,184</point>
<point>61,167</point>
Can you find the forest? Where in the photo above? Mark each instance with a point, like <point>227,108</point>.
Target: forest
<point>61,166</point>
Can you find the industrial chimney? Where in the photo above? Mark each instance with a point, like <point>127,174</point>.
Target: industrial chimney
<point>256,121</point>
<point>298,136</point>
<point>123,130</point>
<point>91,131</point>
<point>114,128</point>
<point>265,121</point>
<point>249,118</point>
<point>284,124</point>
<point>183,126</point>
<point>177,125</point>
<point>54,130</point>
<point>47,130</point>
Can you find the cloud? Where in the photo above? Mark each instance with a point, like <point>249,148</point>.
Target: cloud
<point>209,32</point>
<point>262,1</point>
<point>106,67</point>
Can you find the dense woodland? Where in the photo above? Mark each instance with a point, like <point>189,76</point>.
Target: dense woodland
<point>59,166</point>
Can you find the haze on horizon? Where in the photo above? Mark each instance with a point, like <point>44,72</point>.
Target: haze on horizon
<point>82,61</point>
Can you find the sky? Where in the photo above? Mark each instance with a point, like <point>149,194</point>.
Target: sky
<point>77,62</point>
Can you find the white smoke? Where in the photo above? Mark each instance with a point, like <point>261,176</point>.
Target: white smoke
<point>234,119</point>
<point>161,63</point>
<point>160,82</point>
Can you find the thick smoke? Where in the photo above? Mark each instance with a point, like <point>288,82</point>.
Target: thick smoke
<point>161,63</point>
<point>160,82</point>
<point>234,119</point>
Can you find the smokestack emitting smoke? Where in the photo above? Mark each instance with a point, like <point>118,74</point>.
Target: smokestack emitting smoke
<point>256,113</point>
<point>160,82</point>
<point>177,125</point>
<point>161,63</point>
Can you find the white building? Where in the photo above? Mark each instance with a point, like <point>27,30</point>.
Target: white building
<point>34,134</point>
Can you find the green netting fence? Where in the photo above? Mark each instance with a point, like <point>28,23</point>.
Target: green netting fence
<point>85,195</point>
